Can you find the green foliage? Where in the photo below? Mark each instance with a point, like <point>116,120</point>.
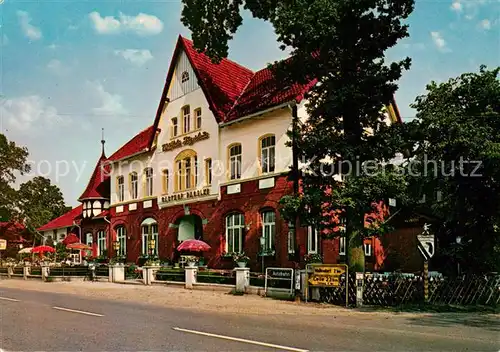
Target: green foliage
<point>40,201</point>
<point>13,159</point>
<point>456,143</point>
<point>61,251</point>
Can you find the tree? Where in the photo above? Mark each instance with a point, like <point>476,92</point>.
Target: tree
<point>12,160</point>
<point>456,138</point>
<point>342,45</point>
<point>40,202</point>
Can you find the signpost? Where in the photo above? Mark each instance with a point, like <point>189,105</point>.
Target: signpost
<point>426,246</point>
<point>280,275</point>
<point>326,275</point>
<point>3,246</point>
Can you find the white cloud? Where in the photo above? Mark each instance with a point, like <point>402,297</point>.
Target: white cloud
<point>111,104</point>
<point>53,46</point>
<point>485,24</point>
<point>457,6</point>
<point>28,29</point>
<point>142,24</point>
<point>29,112</point>
<point>57,67</point>
<point>136,56</point>
<point>439,41</point>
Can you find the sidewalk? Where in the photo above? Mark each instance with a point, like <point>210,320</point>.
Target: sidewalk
<point>199,300</point>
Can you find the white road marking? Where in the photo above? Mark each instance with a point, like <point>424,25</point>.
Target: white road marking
<point>78,311</point>
<point>9,299</point>
<point>242,340</point>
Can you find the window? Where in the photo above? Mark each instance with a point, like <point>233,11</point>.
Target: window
<point>149,229</point>
<point>208,171</point>
<point>185,76</point>
<point>149,181</point>
<point>134,185</point>
<point>267,154</point>
<point>101,243</point>
<point>186,118</point>
<point>197,114</point>
<point>342,245</point>
<point>185,171</point>
<point>175,127</point>
<point>164,181</point>
<point>234,233</point>
<point>268,229</point>
<point>368,249</point>
<point>235,161</point>
<point>89,240</point>
<point>120,182</point>
<point>121,238</point>
<point>312,240</point>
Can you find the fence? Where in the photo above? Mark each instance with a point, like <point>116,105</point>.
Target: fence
<point>396,290</point>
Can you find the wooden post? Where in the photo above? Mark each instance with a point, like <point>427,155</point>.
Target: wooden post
<point>426,281</point>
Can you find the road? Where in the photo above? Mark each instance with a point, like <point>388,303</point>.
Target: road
<point>44,321</point>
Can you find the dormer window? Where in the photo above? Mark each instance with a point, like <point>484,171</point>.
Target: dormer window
<point>185,76</point>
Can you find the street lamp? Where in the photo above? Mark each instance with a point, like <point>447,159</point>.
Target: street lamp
<point>262,244</point>
<point>152,246</point>
<point>116,247</point>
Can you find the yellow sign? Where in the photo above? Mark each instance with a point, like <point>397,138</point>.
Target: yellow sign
<point>3,245</point>
<point>323,280</point>
<point>328,270</point>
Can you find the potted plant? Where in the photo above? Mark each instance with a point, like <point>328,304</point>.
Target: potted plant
<point>313,258</point>
<point>241,259</point>
<point>191,260</point>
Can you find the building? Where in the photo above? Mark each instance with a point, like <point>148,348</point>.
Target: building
<point>213,166</point>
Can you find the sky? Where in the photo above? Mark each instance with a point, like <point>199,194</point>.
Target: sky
<point>69,68</point>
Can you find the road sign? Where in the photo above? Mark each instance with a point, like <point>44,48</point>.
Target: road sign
<point>3,245</point>
<point>282,277</point>
<point>328,270</point>
<point>323,280</point>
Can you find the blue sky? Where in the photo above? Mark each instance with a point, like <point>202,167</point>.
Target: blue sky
<point>70,68</point>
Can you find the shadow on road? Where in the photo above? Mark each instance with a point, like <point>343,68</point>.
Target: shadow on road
<point>484,321</point>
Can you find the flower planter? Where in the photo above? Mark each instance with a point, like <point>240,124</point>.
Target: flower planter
<point>241,264</point>
<point>191,264</point>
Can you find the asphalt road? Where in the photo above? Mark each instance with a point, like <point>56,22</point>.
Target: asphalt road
<point>39,321</point>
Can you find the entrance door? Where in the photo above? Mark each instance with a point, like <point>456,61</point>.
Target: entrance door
<point>190,227</point>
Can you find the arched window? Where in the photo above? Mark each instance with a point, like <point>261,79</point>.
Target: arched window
<point>149,230</point>
<point>134,186</point>
<point>185,170</point>
<point>185,76</point>
<point>235,161</point>
<point>120,188</point>
<point>267,153</point>
<point>268,229</point>
<point>101,243</point>
<point>186,119</point>
<point>121,238</point>
<point>148,174</point>
<point>235,223</point>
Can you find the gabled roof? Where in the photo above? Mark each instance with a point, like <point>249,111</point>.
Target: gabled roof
<point>139,143</point>
<point>63,221</point>
<point>99,184</point>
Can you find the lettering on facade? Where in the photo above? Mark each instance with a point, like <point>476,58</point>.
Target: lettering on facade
<point>188,140</point>
<point>186,195</point>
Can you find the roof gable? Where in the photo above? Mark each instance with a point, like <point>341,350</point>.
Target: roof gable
<point>139,143</point>
<point>99,184</point>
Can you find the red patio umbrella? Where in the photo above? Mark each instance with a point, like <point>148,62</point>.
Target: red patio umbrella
<point>71,238</point>
<point>193,246</point>
<point>79,246</point>
<point>43,249</point>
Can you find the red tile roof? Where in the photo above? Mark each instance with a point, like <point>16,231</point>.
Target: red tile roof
<point>137,144</point>
<point>65,220</point>
<point>223,83</point>
<point>99,184</point>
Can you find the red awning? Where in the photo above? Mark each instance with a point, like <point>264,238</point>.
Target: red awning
<point>71,238</point>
